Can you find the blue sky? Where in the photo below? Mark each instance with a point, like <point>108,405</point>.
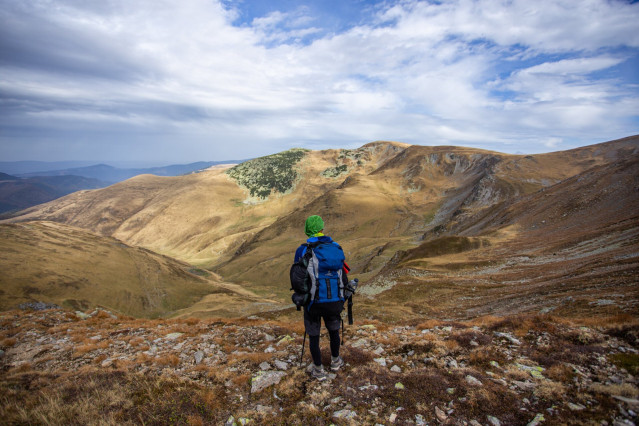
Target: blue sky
<point>172,81</point>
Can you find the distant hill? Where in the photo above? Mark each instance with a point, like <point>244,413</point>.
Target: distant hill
<point>424,227</point>
<point>80,270</point>
<point>110,174</point>
<point>17,194</point>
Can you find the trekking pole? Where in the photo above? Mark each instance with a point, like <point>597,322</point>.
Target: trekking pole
<point>342,343</point>
<point>303,344</point>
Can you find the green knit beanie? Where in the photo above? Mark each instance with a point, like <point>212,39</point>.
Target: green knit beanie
<point>314,224</point>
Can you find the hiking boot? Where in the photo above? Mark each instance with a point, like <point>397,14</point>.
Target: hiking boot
<point>319,373</point>
<point>336,363</point>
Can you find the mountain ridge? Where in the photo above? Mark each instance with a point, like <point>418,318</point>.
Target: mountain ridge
<point>379,201</point>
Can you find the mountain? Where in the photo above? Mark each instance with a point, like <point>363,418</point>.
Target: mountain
<point>19,193</point>
<point>112,174</point>
<point>444,232</point>
<point>73,268</point>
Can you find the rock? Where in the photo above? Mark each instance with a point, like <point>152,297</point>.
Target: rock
<point>244,421</point>
<point>268,337</point>
<point>378,351</point>
<point>269,350</point>
<point>494,364</point>
<point>380,361</point>
<point>452,363</point>
<point>630,401</point>
<point>359,343</point>
<point>264,379</point>
<point>281,365</point>
<point>440,414</point>
<point>525,386</point>
<point>396,369</point>
<point>285,339</point>
<point>106,363</point>
<point>368,327</point>
<point>399,386</point>
<point>576,407</point>
<point>539,419</point>
<point>265,366</point>
<point>493,421</point>
<point>345,414</point>
<point>447,329</point>
<point>474,423</point>
<point>198,356</point>
<point>173,336</point>
<point>392,418</point>
<point>533,371</point>
<point>230,421</point>
<point>419,420</point>
<point>473,381</point>
<point>81,315</point>
<point>508,337</point>
<point>451,391</point>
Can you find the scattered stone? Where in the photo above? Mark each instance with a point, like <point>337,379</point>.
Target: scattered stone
<point>198,356</point>
<point>270,350</point>
<point>533,371</point>
<point>173,336</point>
<point>626,400</point>
<point>106,363</point>
<point>525,386</point>
<point>474,423</point>
<point>508,337</point>
<point>452,363</point>
<point>399,385</point>
<point>268,337</point>
<point>38,306</point>
<point>285,339</point>
<point>230,421</point>
<point>392,418</point>
<point>494,364</point>
<point>264,379</point>
<point>440,414</point>
<point>345,414</point>
<point>539,419</point>
<point>447,329</point>
<point>281,365</point>
<point>265,366</point>
<point>451,391</point>
<point>368,327</point>
<point>82,315</point>
<point>493,420</point>
<point>380,361</point>
<point>359,343</point>
<point>378,351</point>
<point>473,381</point>
<point>419,420</point>
<point>576,407</point>
<point>396,369</point>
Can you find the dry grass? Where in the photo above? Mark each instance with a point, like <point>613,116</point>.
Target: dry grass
<point>114,397</point>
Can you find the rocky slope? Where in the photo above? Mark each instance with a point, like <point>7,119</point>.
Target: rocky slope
<point>64,367</point>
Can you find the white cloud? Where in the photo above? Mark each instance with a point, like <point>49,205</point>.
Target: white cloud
<point>460,71</point>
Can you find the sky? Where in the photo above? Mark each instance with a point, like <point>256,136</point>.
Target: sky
<point>177,81</point>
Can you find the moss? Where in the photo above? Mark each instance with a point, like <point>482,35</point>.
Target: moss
<point>274,172</point>
<point>332,172</point>
<point>628,361</point>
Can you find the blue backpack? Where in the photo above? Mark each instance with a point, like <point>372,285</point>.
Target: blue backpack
<point>322,281</point>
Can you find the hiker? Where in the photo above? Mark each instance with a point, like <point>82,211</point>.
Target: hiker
<point>326,302</point>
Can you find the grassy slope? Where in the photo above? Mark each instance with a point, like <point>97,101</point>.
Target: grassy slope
<point>55,263</point>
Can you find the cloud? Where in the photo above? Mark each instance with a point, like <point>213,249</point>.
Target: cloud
<point>190,78</point>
